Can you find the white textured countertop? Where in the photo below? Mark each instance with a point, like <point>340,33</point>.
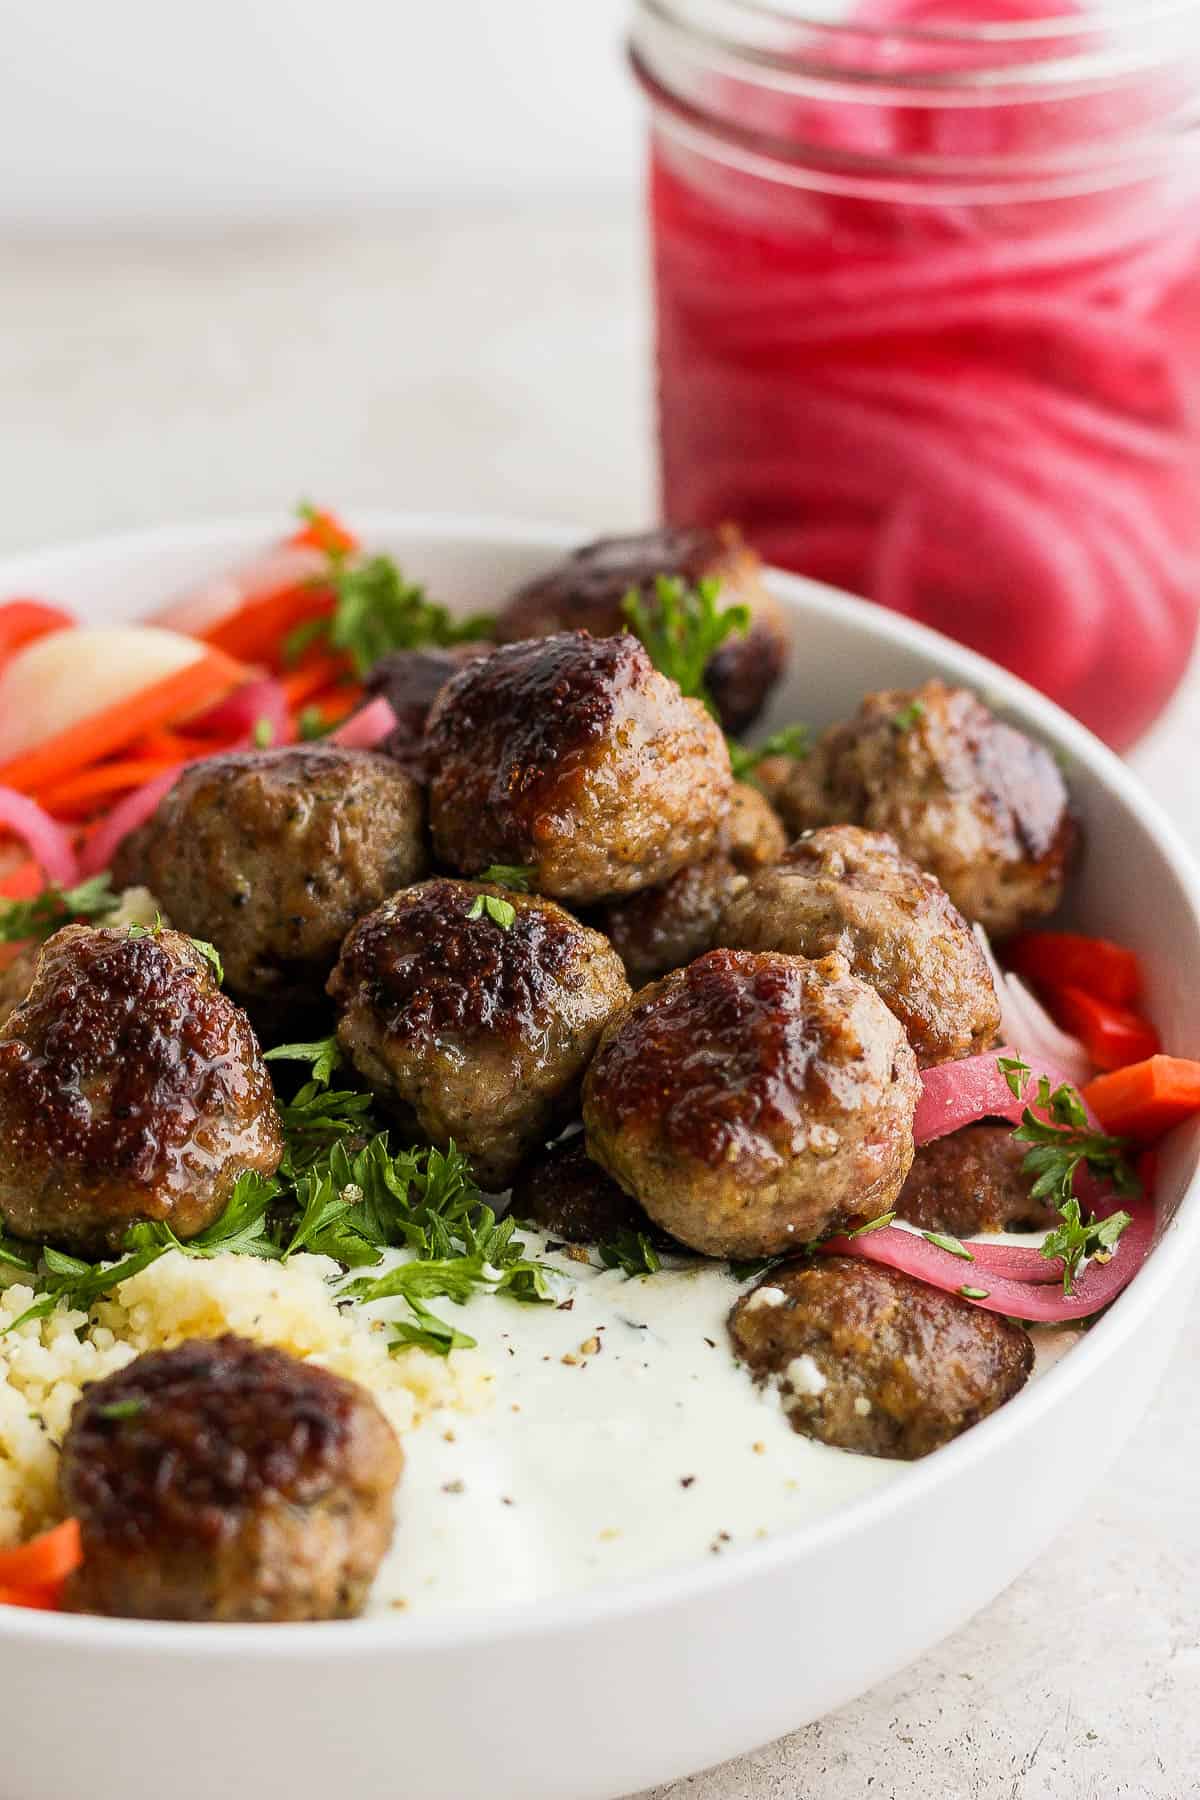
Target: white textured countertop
<point>496,363</point>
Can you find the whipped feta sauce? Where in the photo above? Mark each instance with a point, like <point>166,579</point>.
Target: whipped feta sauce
<point>623,1438</point>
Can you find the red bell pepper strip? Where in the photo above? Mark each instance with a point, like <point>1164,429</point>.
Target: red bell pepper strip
<point>1113,1036</point>
<point>1067,959</point>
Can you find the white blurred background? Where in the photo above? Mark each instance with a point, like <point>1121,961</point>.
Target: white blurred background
<point>137,112</point>
<point>262,249</point>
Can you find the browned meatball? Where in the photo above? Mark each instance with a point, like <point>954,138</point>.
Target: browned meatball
<point>972,1180</point>
<point>874,1361</point>
<point>410,681</point>
<point>272,855</point>
<point>562,1192</point>
<point>224,1481</point>
<point>664,927</point>
<point>750,1102</point>
<point>586,589</point>
<point>131,1089</point>
<point>974,801</point>
<point>472,1029</point>
<point>852,891</point>
<point>573,756</point>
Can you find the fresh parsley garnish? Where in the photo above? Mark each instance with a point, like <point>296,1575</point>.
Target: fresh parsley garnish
<point>1015,1072</point>
<point>324,1054</point>
<point>793,740</point>
<point>517,876</point>
<point>377,610</point>
<point>490,906</point>
<point>631,1250</point>
<point>212,955</point>
<point>311,724</point>
<point>944,1241</point>
<point>122,1409</point>
<point>1061,1144</point>
<point>908,716</point>
<point>681,628</point>
<point>873,1225</point>
<point>263,734</point>
<point>974,1293</point>
<point>37,919</point>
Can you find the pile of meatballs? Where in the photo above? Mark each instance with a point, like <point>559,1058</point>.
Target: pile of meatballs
<point>701,1012</point>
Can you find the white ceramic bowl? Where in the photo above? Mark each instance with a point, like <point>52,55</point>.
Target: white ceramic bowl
<point>609,1691</point>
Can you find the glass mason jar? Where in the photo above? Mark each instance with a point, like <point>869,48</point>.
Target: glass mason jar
<point>928,311</point>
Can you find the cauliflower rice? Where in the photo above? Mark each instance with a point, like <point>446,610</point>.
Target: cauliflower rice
<point>46,1364</point>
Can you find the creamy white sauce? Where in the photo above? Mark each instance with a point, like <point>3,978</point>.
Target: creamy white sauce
<point>623,1439</point>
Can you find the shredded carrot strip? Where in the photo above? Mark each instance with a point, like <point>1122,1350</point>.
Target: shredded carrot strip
<point>177,696</point>
<point>258,632</point>
<point>80,793</point>
<point>313,676</point>
<point>325,531</point>
<point>47,1558</point>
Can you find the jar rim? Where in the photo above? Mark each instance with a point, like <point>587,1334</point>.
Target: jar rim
<point>705,66</point>
<point>1084,48</point>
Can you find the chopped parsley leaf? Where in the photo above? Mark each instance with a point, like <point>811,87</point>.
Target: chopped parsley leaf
<point>517,876</point>
<point>490,906</point>
<point>1060,1145</point>
<point>631,1250</point>
<point>682,626</point>
<point>375,611</point>
<point>37,919</point>
<point>794,741</point>
<point>944,1242</point>
<point>122,1409</point>
<point>873,1225</point>
<point>325,1055</point>
<point>908,716</point>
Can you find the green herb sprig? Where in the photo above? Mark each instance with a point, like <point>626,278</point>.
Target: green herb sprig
<point>490,906</point>
<point>682,626</point>
<point>1060,1145</point>
<point>377,610</point>
<point>37,919</point>
<point>793,740</point>
<point>630,1250</point>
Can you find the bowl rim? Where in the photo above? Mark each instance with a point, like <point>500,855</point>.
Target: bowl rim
<point>697,1580</point>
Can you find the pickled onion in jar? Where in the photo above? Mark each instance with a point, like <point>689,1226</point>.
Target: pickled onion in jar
<point>929,328</point>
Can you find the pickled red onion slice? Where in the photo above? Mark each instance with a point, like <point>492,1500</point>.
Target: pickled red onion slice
<point>955,1094</point>
<point>132,812</point>
<point>364,729</point>
<point>242,712</point>
<point>1037,1302</point>
<point>1010,1278</point>
<point>46,840</point>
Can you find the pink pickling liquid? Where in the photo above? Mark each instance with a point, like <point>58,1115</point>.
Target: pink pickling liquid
<point>980,414</point>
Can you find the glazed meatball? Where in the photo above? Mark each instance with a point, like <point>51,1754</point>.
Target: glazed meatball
<point>751,1102</point>
<point>131,1089</point>
<point>224,1481</point>
<point>473,1029</point>
<point>562,1192</point>
<point>587,588</point>
<point>974,801</point>
<point>573,756</point>
<point>664,927</point>
<point>272,855</point>
<point>852,891</point>
<point>972,1180</point>
<point>871,1360</point>
<point>410,681</point>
